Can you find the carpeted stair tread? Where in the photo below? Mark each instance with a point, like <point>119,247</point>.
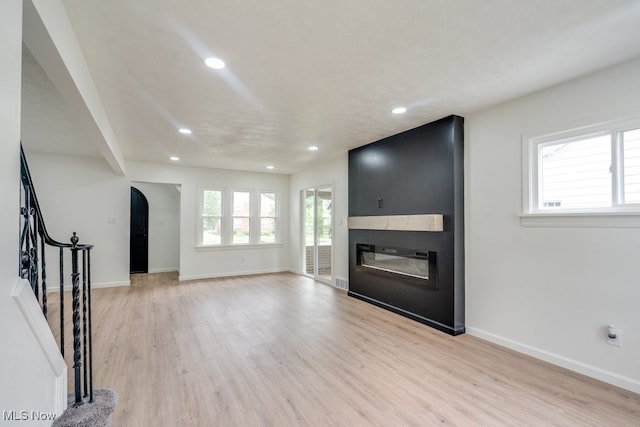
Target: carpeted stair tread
<point>96,414</point>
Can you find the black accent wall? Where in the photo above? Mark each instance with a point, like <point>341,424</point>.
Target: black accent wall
<point>420,171</point>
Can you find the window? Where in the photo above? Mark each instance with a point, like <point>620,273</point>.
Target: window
<point>575,173</point>
<point>590,170</point>
<point>246,217</point>
<point>268,217</point>
<point>241,217</point>
<point>631,161</point>
<point>211,217</point>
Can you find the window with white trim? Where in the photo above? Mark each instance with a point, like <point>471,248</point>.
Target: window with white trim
<point>590,170</point>
<point>268,217</point>
<point>211,217</point>
<point>239,217</point>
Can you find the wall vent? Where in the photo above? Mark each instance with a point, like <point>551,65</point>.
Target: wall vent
<point>342,283</point>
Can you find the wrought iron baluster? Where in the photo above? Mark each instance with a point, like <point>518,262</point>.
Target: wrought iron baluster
<point>34,254</point>
<point>43,265</point>
<point>24,262</point>
<point>33,275</point>
<point>84,321</point>
<point>90,333</point>
<point>62,302</point>
<point>75,293</point>
<point>24,239</point>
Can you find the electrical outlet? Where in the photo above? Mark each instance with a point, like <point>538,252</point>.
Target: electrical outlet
<point>614,336</point>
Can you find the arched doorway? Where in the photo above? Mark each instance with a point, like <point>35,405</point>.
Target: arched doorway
<point>139,234</point>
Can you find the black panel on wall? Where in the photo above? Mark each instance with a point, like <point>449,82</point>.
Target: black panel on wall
<point>419,171</point>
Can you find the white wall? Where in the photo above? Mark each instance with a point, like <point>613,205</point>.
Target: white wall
<point>85,195</point>
<point>49,36</point>
<point>550,292</point>
<point>164,225</point>
<point>203,263</point>
<point>334,172</point>
<point>28,382</point>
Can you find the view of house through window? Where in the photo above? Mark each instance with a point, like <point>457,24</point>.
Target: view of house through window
<point>268,217</point>
<point>576,174</point>
<point>241,217</point>
<point>593,169</point>
<point>631,142</point>
<point>211,217</point>
<point>238,217</point>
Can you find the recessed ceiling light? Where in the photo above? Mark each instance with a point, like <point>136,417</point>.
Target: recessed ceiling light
<point>269,167</point>
<point>174,158</point>
<point>215,63</point>
<point>313,148</point>
<point>184,131</point>
<point>399,110</point>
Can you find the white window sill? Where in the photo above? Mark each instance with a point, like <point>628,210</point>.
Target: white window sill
<point>581,219</point>
<point>238,246</point>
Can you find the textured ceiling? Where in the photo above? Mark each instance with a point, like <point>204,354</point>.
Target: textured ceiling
<point>324,73</point>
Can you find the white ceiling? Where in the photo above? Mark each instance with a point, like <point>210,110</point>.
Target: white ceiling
<point>303,72</point>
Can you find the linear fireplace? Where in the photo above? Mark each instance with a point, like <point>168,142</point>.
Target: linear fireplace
<point>406,224</point>
<point>417,267</point>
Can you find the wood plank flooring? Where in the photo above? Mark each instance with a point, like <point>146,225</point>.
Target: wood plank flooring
<point>283,350</point>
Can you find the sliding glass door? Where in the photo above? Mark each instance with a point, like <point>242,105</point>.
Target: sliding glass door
<point>318,233</point>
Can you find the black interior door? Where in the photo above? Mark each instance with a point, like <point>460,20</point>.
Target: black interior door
<point>139,236</point>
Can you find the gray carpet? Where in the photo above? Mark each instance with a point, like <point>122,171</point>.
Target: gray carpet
<point>96,414</point>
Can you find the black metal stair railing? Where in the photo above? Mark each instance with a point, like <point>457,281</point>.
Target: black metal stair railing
<point>34,239</point>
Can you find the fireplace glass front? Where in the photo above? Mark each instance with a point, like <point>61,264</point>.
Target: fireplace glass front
<point>409,265</point>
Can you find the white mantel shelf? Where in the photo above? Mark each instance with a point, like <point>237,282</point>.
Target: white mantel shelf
<point>427,222</point>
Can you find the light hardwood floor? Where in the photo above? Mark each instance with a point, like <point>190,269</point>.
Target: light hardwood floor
<point>283,350</point>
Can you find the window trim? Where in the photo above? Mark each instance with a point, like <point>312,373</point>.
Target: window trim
<point>618,215</point>
<point>231,216</point>
<point>276,217</point>
<point>200,217</point>
<point>226,222</point>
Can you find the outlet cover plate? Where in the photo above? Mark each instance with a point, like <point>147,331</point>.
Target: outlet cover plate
<point>614,341</point>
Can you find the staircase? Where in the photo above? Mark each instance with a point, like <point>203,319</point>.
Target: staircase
<point>86,406</point>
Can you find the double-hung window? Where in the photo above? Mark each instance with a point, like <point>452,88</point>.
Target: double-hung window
<point>238,217</point>
<point>592,170</point>
<point>268,217</point>
<point>211,217</point>
<point>241,217</point>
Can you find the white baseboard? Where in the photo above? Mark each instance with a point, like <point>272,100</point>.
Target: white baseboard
<point>109,284</point>
<point>565,362</point>
<point>163,270</point>
<point>338,282</point>
<point>230,274</point>
<point>68,288</point>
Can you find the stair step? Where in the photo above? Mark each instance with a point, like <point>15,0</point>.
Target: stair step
<point>96,414</point>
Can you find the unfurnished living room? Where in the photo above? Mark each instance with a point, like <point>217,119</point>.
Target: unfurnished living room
<point>244,213</point>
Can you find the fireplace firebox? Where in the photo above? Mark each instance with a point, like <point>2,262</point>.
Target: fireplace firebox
<point>417,267</point>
